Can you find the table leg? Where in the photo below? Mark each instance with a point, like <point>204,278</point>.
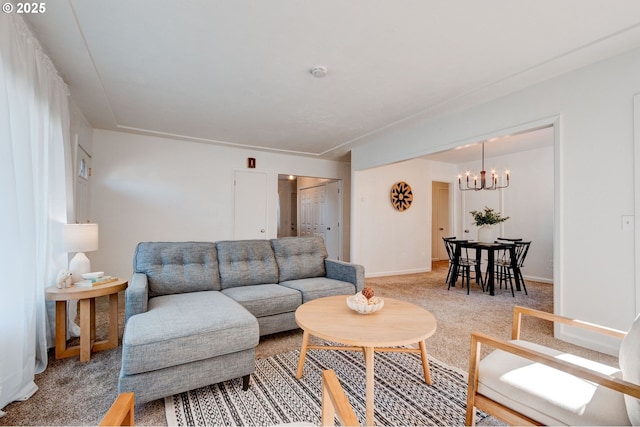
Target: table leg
<point>61,329</point>
<point>113,320</point>
<point>85,329</point>
<point>92,325</point>
<point>490,272</point>
<point>303,354</point>
<point>425,362</point>
<point>368,361</point>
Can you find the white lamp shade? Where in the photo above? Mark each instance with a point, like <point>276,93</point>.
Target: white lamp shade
<point>80,237</point>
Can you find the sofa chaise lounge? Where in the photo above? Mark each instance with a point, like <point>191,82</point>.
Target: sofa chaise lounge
<point>195,311</point>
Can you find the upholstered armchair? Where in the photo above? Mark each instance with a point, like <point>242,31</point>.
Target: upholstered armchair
<point>524,383</point>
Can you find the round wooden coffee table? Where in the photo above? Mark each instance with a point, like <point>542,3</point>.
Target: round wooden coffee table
<point>398,323</point>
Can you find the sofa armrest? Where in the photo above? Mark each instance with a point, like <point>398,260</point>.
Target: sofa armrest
<point>519,311</point>
<point>137,295</point>
<point>345,271</point>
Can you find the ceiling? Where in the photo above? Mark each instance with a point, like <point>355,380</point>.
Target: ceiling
<point>496,147</point>
<point>238,72</point>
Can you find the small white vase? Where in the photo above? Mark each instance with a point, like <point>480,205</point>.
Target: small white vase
<point>487,234</point>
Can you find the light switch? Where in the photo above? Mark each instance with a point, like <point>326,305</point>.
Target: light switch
<point>627,222</point>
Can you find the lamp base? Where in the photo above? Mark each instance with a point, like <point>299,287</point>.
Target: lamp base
<point>78,266</point>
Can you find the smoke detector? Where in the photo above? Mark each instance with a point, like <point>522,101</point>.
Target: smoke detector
<point>318,72</point>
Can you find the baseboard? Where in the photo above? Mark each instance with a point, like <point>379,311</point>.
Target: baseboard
<point>398,273</point>
<point>607,345</point>
<point>539,279</point>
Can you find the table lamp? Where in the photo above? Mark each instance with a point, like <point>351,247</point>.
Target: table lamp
<point>80,238</point>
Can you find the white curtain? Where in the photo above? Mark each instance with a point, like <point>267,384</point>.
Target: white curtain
<point>34,123</point>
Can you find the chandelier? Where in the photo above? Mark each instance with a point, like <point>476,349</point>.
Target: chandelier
<point>483,179</point>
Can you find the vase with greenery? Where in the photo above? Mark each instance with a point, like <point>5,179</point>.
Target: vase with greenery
<point>485,219</point>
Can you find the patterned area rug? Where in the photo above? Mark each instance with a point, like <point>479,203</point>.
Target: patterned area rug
<point>275,396</point>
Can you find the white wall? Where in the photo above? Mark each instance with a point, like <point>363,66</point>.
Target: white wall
<point>157,189</point>
<point>387,241</point>
<point>592,110</point>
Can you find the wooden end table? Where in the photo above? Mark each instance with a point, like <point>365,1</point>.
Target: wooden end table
<point>398,323</point>
<point>87,296</point>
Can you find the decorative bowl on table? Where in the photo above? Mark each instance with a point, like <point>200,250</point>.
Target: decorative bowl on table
<point>363,305</point>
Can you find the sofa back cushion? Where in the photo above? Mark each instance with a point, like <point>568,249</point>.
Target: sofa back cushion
<point>630,366</point>
<point>177,267</point>
<point>300,257</point>
<point>246,262</point>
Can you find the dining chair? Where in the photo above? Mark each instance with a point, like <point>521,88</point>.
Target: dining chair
<point>463,265</point>
<point>504,268</point>
<point>450,254</point>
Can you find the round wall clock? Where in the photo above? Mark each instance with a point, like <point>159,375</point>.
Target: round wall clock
<point>401,196</point>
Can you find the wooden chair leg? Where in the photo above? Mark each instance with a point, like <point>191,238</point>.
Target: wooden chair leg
<point>524,287</point>
<point>121,412</point>
<point>335,402</point>
<point>510,278</point>
<point>468,278</point>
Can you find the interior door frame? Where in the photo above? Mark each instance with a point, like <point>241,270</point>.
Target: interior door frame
<point>434,256</point>
<point>636,179</point>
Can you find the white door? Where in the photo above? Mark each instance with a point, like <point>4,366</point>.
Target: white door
<point>439,219</point>
<point>332,232</point>
<point>312,215</point>
<point>319,217</point>
<point>250,205</point>
<point>305,213</point>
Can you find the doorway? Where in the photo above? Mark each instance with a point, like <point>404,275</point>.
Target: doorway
<point>440,224</point>
<point>310,206</point>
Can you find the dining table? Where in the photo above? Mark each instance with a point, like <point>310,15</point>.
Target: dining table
<point>491,249</point>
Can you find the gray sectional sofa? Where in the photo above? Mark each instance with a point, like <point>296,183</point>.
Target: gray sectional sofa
<point>195,311</point>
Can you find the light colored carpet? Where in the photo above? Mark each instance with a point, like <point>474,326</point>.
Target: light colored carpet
<point>75,393</point>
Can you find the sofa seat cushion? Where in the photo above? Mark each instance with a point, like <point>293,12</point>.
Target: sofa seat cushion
<point>177,267</point>
<point>266,300</point>
<point>246,262</point>
<point>300,257</point>
<point>183,328</point>
<point>318,287</point>
<point>548,395</point>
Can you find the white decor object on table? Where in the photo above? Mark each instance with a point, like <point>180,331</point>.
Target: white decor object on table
<point>360,304</point>
<point>78,238</point>
<point>487,234</point>
<point>486,221</point>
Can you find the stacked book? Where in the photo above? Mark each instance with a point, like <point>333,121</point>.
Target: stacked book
<point>96,281</point>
